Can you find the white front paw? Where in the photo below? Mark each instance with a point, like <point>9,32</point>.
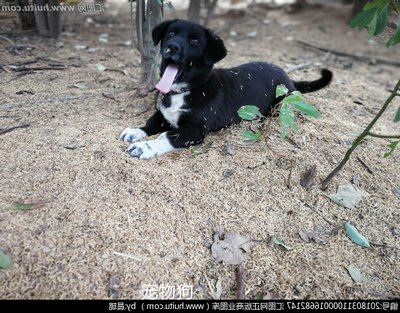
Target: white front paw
<point>150,149</point>
<point>133,134</point>
<point>142,150</point>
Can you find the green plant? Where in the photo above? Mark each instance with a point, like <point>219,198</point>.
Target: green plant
<point>374,16</point>
<point>167,3</point>
<point>290,103</point>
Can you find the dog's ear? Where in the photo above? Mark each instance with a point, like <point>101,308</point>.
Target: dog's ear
<point>160,30</point>
<point>215,49</point>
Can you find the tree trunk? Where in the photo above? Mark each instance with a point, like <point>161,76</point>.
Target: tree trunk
<point>194,11</point>
<point>210,12</point>
<point>41,18</point>
<point>27,18</point>
<point>48,22</point>
<point>147,17</point>
<point>53,20</point>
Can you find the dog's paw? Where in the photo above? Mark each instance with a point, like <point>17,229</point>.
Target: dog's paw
<point>133,134</point>
<point>150,149</point>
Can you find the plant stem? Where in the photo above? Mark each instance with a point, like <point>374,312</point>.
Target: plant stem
<point>394,6</point>
<point>383,136</point>
<point>359,139</point>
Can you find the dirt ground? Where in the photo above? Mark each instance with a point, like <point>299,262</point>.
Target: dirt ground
<point>98,223</point>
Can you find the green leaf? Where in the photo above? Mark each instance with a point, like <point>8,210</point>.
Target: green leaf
<point>395,39</point>
<point>364,18</point>
<point>5,261</point>
<point>281,90</point>
<point>249,112</point>
<point>355,274</point>
<point>252,136</point>
<point>397,116</point>
<point>279,242</point>
<point>80,47</point>
<point>381,20</point>
<point>372,26</point>
<point>307,108</point>
<point>375,4</point>
<point>295,128</point>
<point>201,149</point>
<point>294,97</point>
<point>284,132</point>
<point>23,206</point>
<point>297,93</point>
<point>100,67</point>
<point>355,236</point>
<point>80,85</point>
<point>286,115</point>
<point>392,146</point>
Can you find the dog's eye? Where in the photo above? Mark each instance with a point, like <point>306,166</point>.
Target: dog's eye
<point>171,34</point>
<point>194,42</point>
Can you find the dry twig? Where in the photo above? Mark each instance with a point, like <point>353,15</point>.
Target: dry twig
<point>7,130</point>
<point>357,57</point>
<point>239,283</point>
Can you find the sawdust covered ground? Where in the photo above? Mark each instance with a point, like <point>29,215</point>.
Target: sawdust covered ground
<point>102,224</point>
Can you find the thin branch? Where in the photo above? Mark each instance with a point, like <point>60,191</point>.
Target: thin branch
<point>383,136</point>
<point>360,138</point>
<point>8,40</point>
<point>7,130</point>
<point>383,245</point>
<point>354,56</point>
<point>317,211</point>
<point>298,67</point>
<point>365,165</point>
<point>308,64</point>
<point>288,182</point>
<point>38,68</point>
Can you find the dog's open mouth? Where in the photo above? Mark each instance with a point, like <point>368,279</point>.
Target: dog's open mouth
<point>171,73</point>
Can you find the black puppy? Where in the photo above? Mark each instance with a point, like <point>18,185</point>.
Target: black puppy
<point>198,99</point>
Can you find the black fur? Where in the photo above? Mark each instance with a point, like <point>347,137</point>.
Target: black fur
<point>213,96</point>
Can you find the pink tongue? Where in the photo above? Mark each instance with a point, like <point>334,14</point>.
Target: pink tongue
<point>165,84</point>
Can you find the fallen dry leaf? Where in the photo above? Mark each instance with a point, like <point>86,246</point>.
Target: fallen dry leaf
<point>233,249</point>
<point>216,295</point>
<point>319,234</point>
<point>347,196</point>
<point>113,292</point>
<point>307,177</point>
<point>271,295</point>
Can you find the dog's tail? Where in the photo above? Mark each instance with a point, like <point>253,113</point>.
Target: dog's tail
<point>304,86</point>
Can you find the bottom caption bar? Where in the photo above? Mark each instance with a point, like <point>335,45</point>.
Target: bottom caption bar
<point>202,305</point>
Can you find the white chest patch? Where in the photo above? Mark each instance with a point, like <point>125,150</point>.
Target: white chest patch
<point>175,110</point>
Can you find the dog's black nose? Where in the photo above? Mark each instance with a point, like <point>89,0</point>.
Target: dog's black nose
<point>173,48</point>
<point>173,51</point>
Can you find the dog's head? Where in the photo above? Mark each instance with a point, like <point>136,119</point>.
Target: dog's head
<point>188,51</point>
